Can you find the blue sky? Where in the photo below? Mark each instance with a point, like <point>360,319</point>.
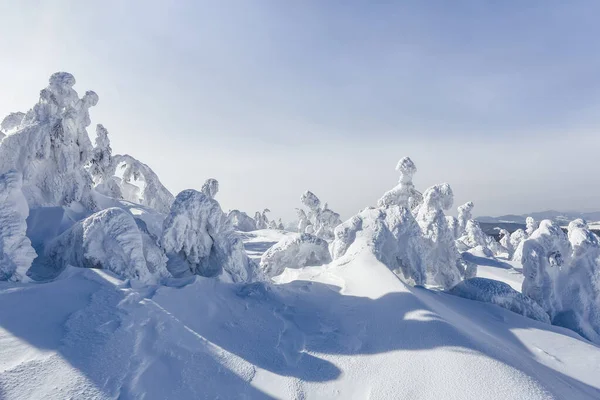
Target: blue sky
<point>499,99</point>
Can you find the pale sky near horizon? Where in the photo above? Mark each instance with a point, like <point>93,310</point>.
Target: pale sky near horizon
<point>499,99</point>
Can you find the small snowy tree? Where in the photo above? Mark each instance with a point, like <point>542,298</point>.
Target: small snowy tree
<point>210,188</point>
<point>101,165</point>
<point>295,251</point>
<point>303,221</point>
<point>404,194</point>
<point>443,259</point>
<point>531,225</point>
<point>506,242</point>
<point>16,253</point>
<point>464,215</point>
<point>241,221</point>
<point>322,220</point>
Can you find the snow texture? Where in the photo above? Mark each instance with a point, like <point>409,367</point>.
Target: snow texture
<point>210,188</point>
<point>240,221</point>
<point>295,251</point>
<point>501,294</point>
<point>404,194</point>
<point>109,239</point>
<point>139,184</point>
<point>51,146</point>
<point>198,238</point>
<point>16,253</point>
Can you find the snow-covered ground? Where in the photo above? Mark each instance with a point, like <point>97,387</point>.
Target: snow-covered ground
<point>348,330</point>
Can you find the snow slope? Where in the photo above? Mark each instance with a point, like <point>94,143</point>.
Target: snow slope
<point>350,330</point>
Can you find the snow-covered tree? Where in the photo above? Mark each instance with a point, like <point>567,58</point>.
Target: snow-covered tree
<point>210,188</point>
<point>505,241</point>
<point>303,221</point>
<point>464,215</point>
<point>139,184</point>
<point>241,221</point>
<point>404,194</point>
<point>443,259</point>
<point>16,253</point>
<point>101,165</point>
<point>109,239</point>
<point>531,225</point>
<point>198,239</point>
<point>51,146</point>
<point>280,225</point>
<point>322,220</point>
<point>12,122</point>
<point>295,251</point>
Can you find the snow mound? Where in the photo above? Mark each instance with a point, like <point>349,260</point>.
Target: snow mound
<point>16,253</point>
<point>501,294</point>
<point>295,251</point>
<point>109,239</point>
<point>240,221</point>
<point>393,236</point>
<point>198,239</point>
<point>139,184</point>
<point>51,146</point>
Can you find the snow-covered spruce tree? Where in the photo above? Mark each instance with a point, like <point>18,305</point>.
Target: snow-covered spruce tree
<point>531,225</point>
<point>51,146</point>
<point>516,240</point>
<point>16,253</point>
<point>464,215</point>
<point>505,241</point>
<point>210,188</point>
<point>109,239</point>
<point>404,194</point>
<point>198,239</point>
<point>444,267</point>
<point>280,225</point>
<point>101,165</point>
<point>393,236</point>
<point>322,220</point>
<point>139,184</point>
<point>241,221</point>
<point>295,251</point>
<point>303,221</point>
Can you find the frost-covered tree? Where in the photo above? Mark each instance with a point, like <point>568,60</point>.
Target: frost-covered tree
<point>101,165</point>
<point>12,122</point>
<point>464,215</point>
<point>241,221</point>
<point>443,259</point>
<point>322,220</point>
<point>210,188</point>
<point>198,239</point>
<point>51,146</point>
<point>505,241</point>
<point>109,239</point>
<point>404,194</point>
<point>139,184</point>
<point>280,225</point>
<point>16,253</point>
<point>531,225</point>
<point>303,221</point>
<point>295,251</point>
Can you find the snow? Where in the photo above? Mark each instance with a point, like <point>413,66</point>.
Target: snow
<point>404,194</point>
<point>295,251</point>
<point>198,239</point>
<point>240,221</point>
<point>109,239</point>
<point>16,253</point>
<point>320,220</point>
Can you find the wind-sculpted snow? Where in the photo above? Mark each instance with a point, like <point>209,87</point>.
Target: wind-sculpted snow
<point>393,236</point>
<point>16,253</point>
<point>443,260</point>
<point>109,239</point>
<point>295,251</point>
<point>51,146</point>
<point>198,238</point>
<point>240,221</point>
<point>404,194</point>
<point>501,294</point>
<point>562,275</point>
<point>139,184</point>
<point>320,220</point>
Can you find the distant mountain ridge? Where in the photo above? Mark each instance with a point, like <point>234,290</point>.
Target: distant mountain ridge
<point>560,217</point>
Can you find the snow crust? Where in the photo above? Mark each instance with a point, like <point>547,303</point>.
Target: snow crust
<point>198,238</point>
<point>16,253</point>
<point>295,251</point>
